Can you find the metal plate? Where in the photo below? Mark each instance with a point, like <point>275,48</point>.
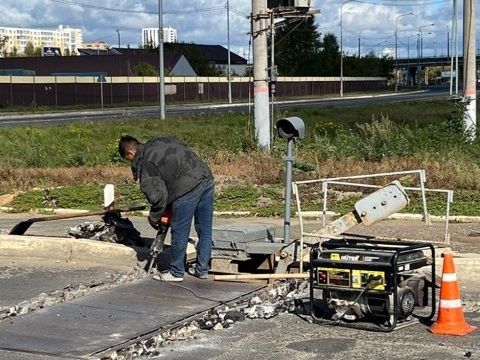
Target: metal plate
<point>89,325</point>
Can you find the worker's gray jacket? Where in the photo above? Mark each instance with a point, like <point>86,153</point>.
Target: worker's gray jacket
<point>167,169</point>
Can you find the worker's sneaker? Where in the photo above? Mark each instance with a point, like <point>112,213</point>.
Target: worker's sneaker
<point>193,271</point>
<point>167,276</point>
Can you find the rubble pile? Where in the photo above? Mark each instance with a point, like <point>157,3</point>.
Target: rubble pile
<point>113,228</point>
<point>70,292</point>
<point>280,298</point>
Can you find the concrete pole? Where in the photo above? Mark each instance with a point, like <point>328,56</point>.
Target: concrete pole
<point>161,66</point>
<point>469,61</point>
<point>229,67</point>
<point>455,42</point>
<point>359,45</point>
<point>272,69</point>
<point>260,76</point>
<point>418,62</point>
<point>341,46</point>
<point>396,49</point>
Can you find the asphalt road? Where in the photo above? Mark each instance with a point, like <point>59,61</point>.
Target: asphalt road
<point>437,91</point>
<point>288,336</point>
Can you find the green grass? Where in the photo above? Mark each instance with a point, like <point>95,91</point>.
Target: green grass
<point>369,138</point>
<point>95,143</point>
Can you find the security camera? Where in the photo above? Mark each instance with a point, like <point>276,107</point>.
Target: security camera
<point>291,127</point>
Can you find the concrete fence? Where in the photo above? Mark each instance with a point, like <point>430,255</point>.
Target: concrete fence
<point>91,90</point>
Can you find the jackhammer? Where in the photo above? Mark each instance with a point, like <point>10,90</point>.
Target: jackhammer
<point>157,244</point>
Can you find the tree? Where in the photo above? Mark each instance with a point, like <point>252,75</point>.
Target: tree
<point>372,65</point>
<point>37,52</point>
<point>14,52</point>
<point>29,49</point>
<point>297,47</point>
<point>144,68</point>
<point>3,42</point>
<point>329,64</point>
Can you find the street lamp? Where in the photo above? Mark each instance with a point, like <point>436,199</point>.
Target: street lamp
<point>421,38</point>
<point>420,52</point>
<point>229,69</point>
<point>341,46</point>
<point>396,48</point>
<point>161,66</point>
<point>408,57</point>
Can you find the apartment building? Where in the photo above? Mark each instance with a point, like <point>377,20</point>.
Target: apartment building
<point>150,36</point>
<point>66,38</point>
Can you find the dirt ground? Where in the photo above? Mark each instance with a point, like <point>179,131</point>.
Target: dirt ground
<point>463,237</point>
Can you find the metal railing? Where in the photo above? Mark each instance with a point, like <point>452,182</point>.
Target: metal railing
<point>343,182</point>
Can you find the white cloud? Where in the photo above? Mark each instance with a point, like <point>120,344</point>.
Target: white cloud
<point>205,21</point>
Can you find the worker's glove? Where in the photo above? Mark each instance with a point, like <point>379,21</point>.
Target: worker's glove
<point>153,223</point>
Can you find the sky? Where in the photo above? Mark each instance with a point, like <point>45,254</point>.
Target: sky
<point>373,23</point>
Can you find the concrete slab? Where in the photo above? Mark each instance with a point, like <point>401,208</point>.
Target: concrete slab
<point>20,283</point>
<point>66,250</point>
<point>89,325</point>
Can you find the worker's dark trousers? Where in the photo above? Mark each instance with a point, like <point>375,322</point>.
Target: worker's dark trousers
<point>196,204</point>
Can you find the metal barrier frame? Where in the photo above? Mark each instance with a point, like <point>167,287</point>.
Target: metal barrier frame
<point>337,181</point>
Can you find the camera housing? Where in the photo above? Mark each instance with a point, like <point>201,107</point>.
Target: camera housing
<point>291,127</point>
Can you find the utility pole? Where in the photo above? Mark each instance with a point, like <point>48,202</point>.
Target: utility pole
<point>454,53</point>
<point>469,67</point>
<point>260,77</point>
<point>273,70</point>
<point>229,67</point>
<point>161,66</point>
<point>448,42</point>
<point>360,33</point>
<point>396,49</point>
<point>118,37</point>
<point>341,46</point>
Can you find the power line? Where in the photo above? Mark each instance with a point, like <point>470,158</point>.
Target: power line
<point>131,11</point>
<point>396,3</point>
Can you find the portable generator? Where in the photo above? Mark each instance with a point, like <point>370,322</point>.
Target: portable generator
<point>369,284</point>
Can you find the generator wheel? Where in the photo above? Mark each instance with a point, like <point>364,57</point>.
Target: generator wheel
<point>406,302</point>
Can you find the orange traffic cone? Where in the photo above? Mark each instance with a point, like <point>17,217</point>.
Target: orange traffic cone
<point>450,319</point>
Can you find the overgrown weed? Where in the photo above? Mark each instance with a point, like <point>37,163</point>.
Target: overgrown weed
<point>81,158</point>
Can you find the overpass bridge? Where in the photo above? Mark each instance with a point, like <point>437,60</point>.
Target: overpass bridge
<point>408,67</point>
<point>431,61</point>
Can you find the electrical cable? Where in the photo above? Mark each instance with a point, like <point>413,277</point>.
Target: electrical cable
<point>131,11</point>
<point>195,294</point>
<point>299,23</point>
<point>395,3</point>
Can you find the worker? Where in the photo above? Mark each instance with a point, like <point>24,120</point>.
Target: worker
<point>172,175</point>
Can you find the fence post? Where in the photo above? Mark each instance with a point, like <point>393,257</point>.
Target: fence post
<point>34,93</point>
<point>11,90</point>
<point>76,95</point>
<point>56,94</point>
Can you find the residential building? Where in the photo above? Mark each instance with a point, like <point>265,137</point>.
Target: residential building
<point>150,36</point>
<point>96,45</point>
<point>66,38</point>
<point>113,63</point>
<point>216,55</point>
